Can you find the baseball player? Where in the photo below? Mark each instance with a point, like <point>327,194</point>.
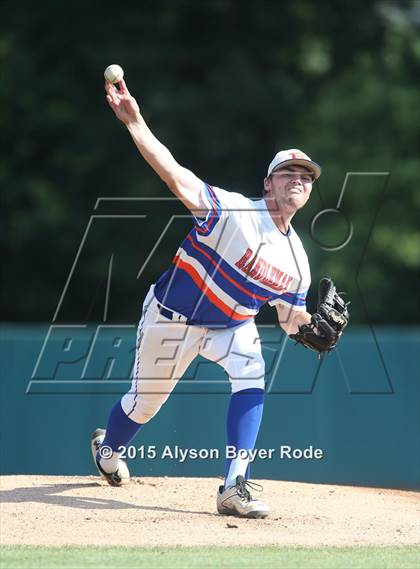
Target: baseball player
<point>239,255</point>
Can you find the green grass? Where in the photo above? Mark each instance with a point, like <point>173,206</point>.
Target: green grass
<point>26,557</point>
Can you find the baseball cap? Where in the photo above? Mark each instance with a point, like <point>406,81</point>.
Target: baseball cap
<point>294,156</point>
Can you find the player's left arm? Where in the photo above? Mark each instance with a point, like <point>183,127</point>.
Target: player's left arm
<point>290,320</point>
<point>320,331</point>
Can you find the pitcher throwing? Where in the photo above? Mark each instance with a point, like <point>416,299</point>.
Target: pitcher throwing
<point>239,255</point>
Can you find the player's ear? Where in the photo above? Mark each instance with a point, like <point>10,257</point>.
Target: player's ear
<point>267,184</point>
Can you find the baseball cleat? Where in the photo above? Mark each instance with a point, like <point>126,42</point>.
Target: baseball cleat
<point>122,474</point>
<point>237,501</point>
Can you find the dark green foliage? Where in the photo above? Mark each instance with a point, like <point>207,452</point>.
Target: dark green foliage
<point>224,85</point>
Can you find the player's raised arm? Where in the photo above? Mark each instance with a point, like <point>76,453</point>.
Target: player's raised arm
<point>181,181</point>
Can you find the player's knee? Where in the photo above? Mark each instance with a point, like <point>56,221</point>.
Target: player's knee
<point>142,416</point>
<point>251,366</point>
<point>247,374</point>
<point>141,409</point>
<point>247,383</point>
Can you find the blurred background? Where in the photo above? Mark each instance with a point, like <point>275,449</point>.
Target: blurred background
<point>224,84</point>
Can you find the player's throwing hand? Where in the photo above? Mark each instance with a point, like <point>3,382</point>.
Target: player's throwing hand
<point>122,103</point>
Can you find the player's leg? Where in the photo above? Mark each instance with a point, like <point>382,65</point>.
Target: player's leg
<point>242,426</point>
<point>164,350</point>
<point>120,429</point>
<point>238,351</point>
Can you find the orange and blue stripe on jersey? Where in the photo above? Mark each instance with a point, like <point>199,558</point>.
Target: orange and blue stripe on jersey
<point>206,289</point>
<point>293,298</point>
<point>205,227</point>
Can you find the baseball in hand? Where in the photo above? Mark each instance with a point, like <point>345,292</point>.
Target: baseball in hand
<point>113,73</point>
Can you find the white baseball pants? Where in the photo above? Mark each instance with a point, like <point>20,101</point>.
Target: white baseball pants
<point>165,348</point>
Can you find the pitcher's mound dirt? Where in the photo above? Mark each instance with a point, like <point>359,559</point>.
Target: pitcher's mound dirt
<point>57,510</point>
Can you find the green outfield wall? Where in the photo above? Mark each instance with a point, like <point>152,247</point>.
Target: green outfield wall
<point>356,412</point>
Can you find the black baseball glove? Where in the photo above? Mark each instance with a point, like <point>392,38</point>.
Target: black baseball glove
<point>328,323</point>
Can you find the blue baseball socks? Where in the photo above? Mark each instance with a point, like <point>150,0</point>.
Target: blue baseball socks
<point>119,432</point>
<point>242,426</point>
<point>243,423</point>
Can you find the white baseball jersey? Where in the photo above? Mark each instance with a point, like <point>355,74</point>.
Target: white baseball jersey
<point>232,262</point>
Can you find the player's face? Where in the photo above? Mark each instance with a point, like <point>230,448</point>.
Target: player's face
<point>290,187</point>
